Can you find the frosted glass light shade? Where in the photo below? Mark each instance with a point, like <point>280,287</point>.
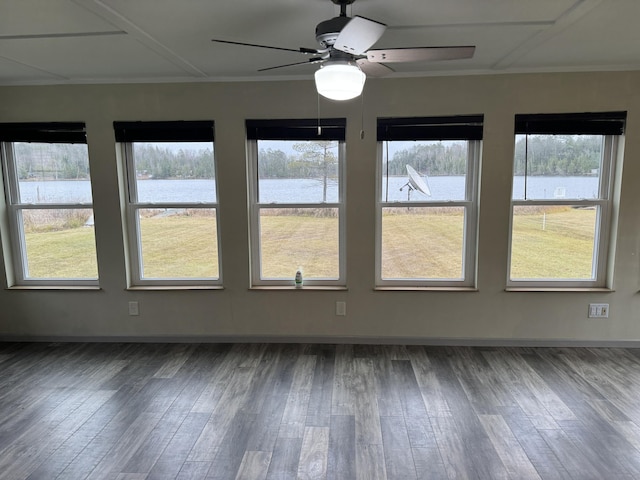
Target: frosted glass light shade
<point>340,81</point>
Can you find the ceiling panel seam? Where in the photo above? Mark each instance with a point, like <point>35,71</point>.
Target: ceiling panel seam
<point>117,19</point>
<point>564,21</point>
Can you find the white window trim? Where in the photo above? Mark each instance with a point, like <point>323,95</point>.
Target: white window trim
<point>254,230</point>
<point>470,233</point>
<point>603,233</point>
<point>133,229</point>
<point>16,231</point>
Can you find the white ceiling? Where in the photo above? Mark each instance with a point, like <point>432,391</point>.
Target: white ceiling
<point>88,41</point>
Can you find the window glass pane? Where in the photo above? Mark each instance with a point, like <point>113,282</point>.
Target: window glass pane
<point>179,243</point>
<point>175,172</point>
<point>52,173</point>
<point>555,242</point>
<point>60,243</point>
<point>424,170</point>
<point>299,237</point>
<point>557,167</point>
<point>422,243</point>
<point>300,171</point>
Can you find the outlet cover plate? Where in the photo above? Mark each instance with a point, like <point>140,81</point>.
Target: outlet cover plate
<point>598,310</point>
<point>134,308</point>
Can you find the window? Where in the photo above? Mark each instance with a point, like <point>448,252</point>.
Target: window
<point>427,201</point>
<point>172,208</point>
<point>297,201</point>
<point>49,203</point>
<point>561,203</point>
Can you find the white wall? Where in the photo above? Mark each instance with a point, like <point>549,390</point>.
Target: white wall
<point>488,315</point>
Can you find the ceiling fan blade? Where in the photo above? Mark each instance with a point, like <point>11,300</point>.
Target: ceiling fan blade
<point>359,35</point>
<point>309,51</point>
<point>373,69</point>
<point>311,60</point>
<point>420,54</point>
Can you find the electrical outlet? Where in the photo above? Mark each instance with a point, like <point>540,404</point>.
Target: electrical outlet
<point>133,308</point>
<point>598,310</point>
<point>341,308</point>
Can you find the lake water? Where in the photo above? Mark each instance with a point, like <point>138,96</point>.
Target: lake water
<point>304,191</point>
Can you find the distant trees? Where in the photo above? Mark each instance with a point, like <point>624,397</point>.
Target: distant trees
<point>321,157</point>
<point>431,159</point>
<point>313,159</point>
<point>70,161</point>
<point>547,155</point>
<point>566,155</point>
<point>57,161</point>
<point>160,162</point>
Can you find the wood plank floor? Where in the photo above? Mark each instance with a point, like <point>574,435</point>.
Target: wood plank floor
<point>258,411</point>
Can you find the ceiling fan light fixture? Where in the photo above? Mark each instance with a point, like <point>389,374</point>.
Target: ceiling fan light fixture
<point>340,80</point>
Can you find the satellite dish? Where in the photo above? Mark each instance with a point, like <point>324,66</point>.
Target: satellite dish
<point>416,182</point>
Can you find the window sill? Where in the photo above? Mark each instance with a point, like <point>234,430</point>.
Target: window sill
<point>164,288</point>
<point>560,289</point>
<point>90,288</point>
<point>302,289</point>
<point>424,289</point>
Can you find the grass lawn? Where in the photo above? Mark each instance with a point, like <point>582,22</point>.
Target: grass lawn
<point>289,242</point>
<point>422,243</point>
<point>165,241</point>
<point>69,253</point>
<point>555,242</point>
<point>415,245</point>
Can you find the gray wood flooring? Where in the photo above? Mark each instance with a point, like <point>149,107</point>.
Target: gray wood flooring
<point>258,411</point>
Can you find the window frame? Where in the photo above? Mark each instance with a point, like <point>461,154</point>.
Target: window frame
<point>292,130</point>
<point>609,125</point>
<point>467,128</point>
<point>44,133</point>
<point>129,133</point>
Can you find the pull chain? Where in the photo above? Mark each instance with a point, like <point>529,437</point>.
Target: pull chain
<point>319,127</point>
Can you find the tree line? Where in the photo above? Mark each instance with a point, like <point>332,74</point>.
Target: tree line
<point>70,162</point>
<point>545,155</point>
<point>430,159</point>
<point>51,161</point>
<point>562,155</point>
<point>312,159</point>
<point>156,162</point>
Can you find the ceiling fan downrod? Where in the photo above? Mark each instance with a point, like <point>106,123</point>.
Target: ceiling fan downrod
<point>343,6</point>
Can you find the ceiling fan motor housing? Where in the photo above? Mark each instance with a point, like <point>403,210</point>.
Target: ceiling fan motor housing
<point>328,31</point>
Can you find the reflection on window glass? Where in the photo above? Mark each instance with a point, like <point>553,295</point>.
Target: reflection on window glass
<point>551,167</point>
<point>52,173</point>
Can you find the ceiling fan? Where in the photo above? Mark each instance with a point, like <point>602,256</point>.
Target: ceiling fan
<point>346,56</point>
